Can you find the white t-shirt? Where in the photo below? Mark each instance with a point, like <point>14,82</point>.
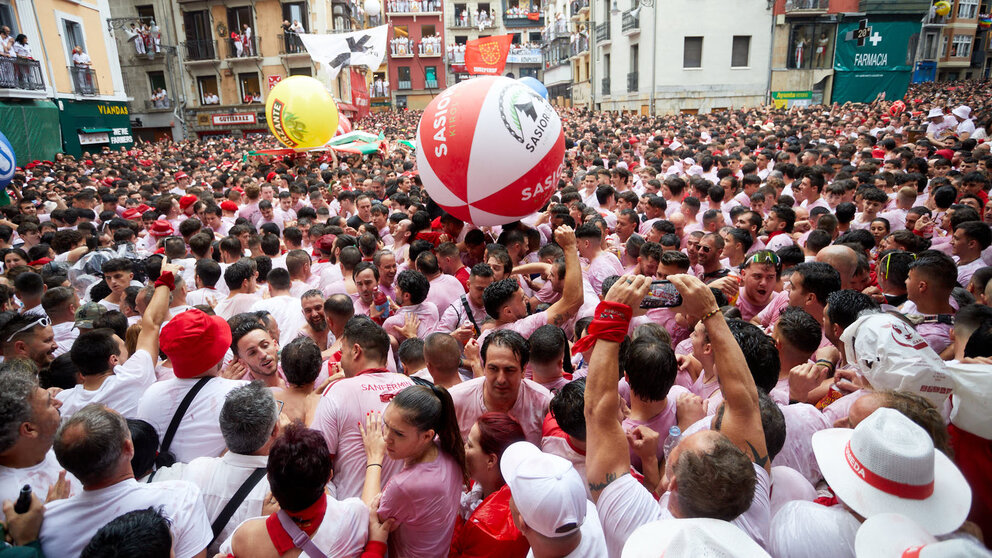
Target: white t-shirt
<point>65,335</point>
<point>41,477</point>
<point>121,392</point>
<point>198,434</point>
<point>343,531</point>
<point>218,478</point>
<point>288,312</point>
<point>70,524</point>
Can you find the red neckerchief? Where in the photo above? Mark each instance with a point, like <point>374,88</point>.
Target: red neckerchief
<point>772,235</point>
<point>307,520</point>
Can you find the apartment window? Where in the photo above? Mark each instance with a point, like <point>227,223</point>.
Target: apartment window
<point>251,91</point>
<point>635,55</point>
<point>7,18</point>
<point>961,46</point>
<point>967,9</point>
<point>342,18</point>
<point>303,71</point>
<point>810,46</point>
<point>403,73</point>
<point>197,25</point>
<point>207,87</point>
<point>740,51</point>
<point>692,52</point>
<point>427,30</point>
<point>943,46</point>
<point>430,77</point>
<point>146,13</point>
<point>156,80</point>
<point>296,11</point>
<point>73,34</point>
<point>238,17</point>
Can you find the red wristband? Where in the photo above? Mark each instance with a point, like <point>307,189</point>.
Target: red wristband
<point>166,279</point>
<point>610,323</point>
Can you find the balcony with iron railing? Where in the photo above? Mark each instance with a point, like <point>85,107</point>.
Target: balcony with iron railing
<point>518,18</point>
<point>631,22</point>
<point>606,86</point>
<point>603,32</point>
<point>580,45</point>
<point>21,73</point>
<point>414,7</point>
<point>792,6</point>
<point>632,82</point>
<point>430,83</point>
<point>84,81</point>
<point>577,6</point>
<point>290,45</point>
<point>555,30</point>
<point>404,85</point>
<point>456,56</point>
<point>430,47</point>
<point>159,105</point>
<point>243,48</point>
<point>401,47</point>
<point>200,50</point>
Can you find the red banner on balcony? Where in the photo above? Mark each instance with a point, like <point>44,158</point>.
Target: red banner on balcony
<point>535,16</point>
<point>359,95</point>
<point>487,56</point>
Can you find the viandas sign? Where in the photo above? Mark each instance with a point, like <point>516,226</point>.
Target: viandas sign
<point>873,57</point>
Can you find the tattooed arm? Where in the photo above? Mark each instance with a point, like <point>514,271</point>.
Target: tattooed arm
<point>607,456</point>
<point>741,421</point>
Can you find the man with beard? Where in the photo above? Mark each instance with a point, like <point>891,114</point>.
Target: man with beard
<point>256,352</point>
<point>29,336</point>
<point>708,258</point>
<point>313,310</point>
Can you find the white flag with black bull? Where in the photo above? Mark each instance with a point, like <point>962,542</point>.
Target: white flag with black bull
<point>338,50</point>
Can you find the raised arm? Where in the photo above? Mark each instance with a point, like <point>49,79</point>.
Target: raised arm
<point>742,415</point>
<point>158,309</point>
<point>571,294</point>
<point>607,456</point>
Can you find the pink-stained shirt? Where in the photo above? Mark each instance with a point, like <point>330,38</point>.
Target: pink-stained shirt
<point>769,315</point>
<point>749,309</point>
<point>427,313</point>
<point>778,242</point>
<point>524,326</point>
<point>453,316</point>
<point>529,409</point>
<point>445,289</point>
<point>424,499</point>
<point>660,423</point>
<point>780,393</point>
<point>344,404</point>
<point>600,268</point>
<point>801,421</point>
<point>361,309</point>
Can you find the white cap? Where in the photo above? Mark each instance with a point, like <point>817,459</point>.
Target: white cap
<point>690,538</point>
<point>935,113</point>
<point>891,535</point>
<point>546,489</point>
<point>892,355</point>
<point>963,111</point>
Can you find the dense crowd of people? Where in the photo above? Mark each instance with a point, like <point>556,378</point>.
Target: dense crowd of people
<point>748,333</point>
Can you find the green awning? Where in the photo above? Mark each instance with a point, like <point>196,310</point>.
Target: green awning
<point>94,130</point>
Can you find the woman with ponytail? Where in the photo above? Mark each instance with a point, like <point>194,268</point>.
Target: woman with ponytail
<point>420,429</point>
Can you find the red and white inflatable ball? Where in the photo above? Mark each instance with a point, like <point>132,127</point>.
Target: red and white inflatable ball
<point>897,108</point>
<point>490,150</point>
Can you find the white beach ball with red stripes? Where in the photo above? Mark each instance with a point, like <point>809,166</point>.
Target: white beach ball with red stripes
<point>490,150</point>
